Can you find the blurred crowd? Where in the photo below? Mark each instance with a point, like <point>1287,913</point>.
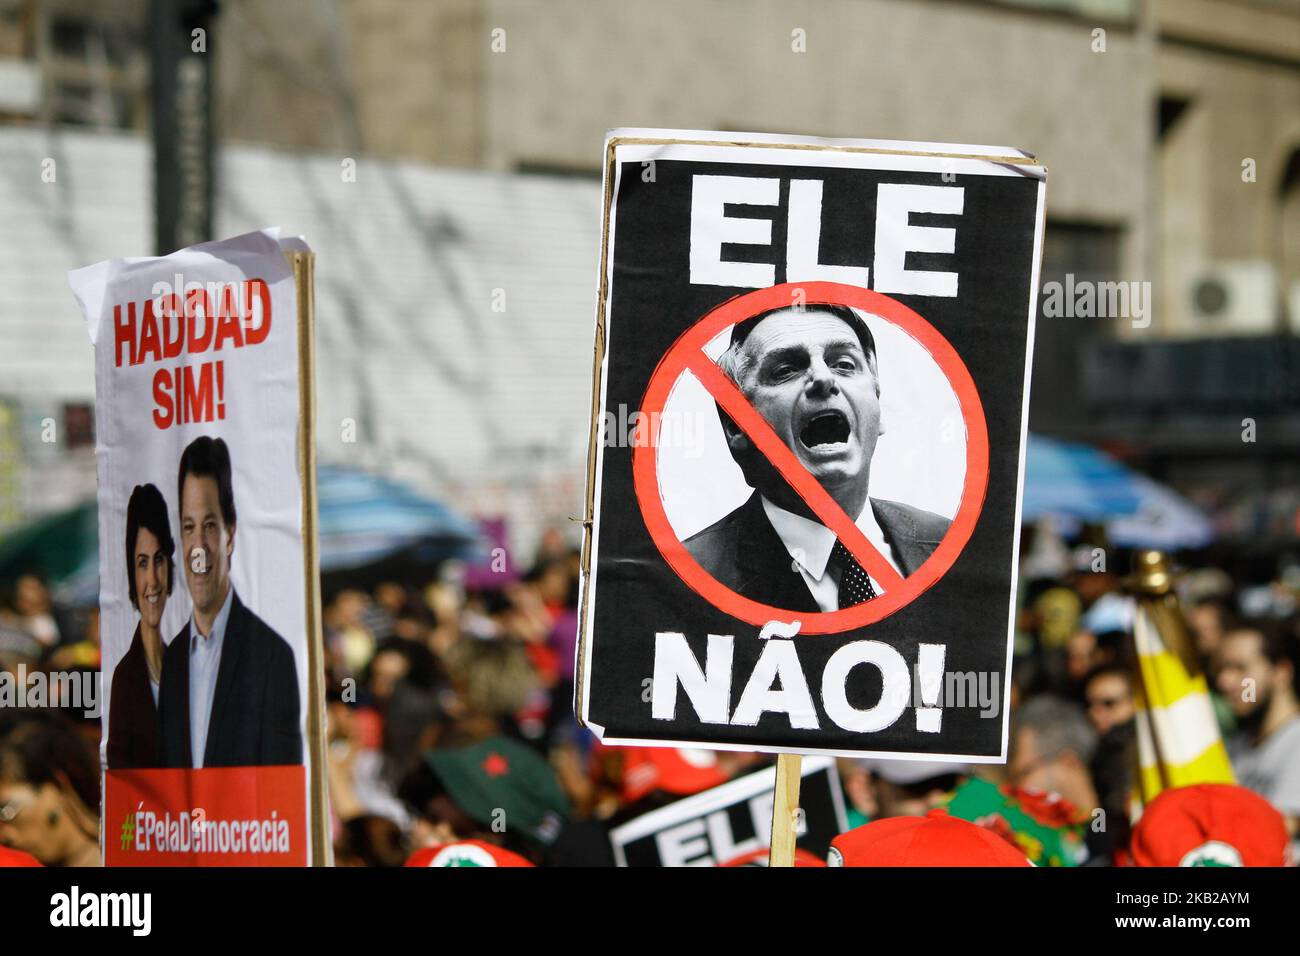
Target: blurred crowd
<point>450,723</point>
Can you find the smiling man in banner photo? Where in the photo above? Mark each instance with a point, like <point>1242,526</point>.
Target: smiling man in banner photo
<point>811,373</point>
<point>229,695</point>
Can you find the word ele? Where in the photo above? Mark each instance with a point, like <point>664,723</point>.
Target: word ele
<point>103,909</point>
<point>712,839</point>
<point>895,236</point>
<point>778,684</point>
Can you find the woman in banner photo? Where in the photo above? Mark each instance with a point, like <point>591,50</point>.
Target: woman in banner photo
<point>133,740</point>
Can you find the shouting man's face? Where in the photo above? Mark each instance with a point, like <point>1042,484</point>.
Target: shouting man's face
<point>808,376</point>
<point>206,543</point>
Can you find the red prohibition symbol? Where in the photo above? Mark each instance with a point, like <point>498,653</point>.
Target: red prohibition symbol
<point>687,356</point>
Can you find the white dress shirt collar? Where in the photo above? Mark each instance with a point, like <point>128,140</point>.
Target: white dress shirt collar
<point>810,542</point>
<point>218,623</point>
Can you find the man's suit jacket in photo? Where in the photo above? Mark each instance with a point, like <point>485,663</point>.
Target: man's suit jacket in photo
<point>255,713</point>
<point>744,552</point>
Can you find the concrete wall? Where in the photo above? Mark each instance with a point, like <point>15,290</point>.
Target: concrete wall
<point>455,310</point>
<point>1238,110</point>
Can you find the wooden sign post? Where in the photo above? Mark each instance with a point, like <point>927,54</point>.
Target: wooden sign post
<point>304,276</point>
<point>785,810</point>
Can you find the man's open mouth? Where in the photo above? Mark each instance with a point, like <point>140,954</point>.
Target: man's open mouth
<point>830,427</point>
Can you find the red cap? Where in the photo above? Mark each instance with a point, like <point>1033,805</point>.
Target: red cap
<point>10,857</point>
<point>680,772</point>
<point>1209,824</point>
<point>465,853</point>
<point>935,839</point>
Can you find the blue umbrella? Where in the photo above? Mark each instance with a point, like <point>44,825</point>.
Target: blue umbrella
<point>1082,483</point>
<point>1077,481</point>
<point>1163,520</point>
<point>364,518</point>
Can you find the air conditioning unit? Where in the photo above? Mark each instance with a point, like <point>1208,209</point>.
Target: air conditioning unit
<point>1232,297</point>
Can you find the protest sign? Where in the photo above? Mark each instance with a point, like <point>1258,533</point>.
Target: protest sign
<point>808,432</point>
<point>209,604</point>
<point>731,821</point>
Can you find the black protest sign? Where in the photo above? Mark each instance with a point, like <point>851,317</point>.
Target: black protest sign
<point>732,821</point>
<point>808,444</point>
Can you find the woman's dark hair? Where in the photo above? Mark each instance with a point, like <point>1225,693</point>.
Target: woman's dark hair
<point>147,510</point>
<point>49,750</point>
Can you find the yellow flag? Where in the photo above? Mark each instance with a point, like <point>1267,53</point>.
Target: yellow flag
<point>1178,740</point>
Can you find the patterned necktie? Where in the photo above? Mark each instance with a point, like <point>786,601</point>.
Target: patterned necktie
<point>855,584</point>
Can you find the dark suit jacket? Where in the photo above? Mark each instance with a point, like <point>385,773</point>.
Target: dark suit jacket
<point>133,717</point>
<point>744,552</point>
<point>255,711</point>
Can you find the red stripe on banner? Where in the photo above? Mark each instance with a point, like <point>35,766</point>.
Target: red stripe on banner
<point>222,816</point>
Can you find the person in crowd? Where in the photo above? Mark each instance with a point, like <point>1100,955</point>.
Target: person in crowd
<point>349,639</point>
<point>492,680</point>
<point>912,788</point>
<point>496,790</point>
<point>49,793</point>
<point>1052,745</point>
<point>1040,824</point>
<point>1108,697</point>
<point>1210,619</point>
<point>370,840</point>
<point>1259,677</point>
<point>35,610</point>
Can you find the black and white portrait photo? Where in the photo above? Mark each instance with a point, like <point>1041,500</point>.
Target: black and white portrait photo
<point>891,456</point>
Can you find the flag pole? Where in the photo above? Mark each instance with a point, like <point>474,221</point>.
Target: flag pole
<point>304,275</point>
<point>785,810</point>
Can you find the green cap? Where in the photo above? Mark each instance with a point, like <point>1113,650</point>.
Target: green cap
<point>500,782</point>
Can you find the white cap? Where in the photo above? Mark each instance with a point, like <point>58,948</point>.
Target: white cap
<point>907,772</point>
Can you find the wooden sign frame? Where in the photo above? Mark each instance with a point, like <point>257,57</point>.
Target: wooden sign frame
<point>304,277</point>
